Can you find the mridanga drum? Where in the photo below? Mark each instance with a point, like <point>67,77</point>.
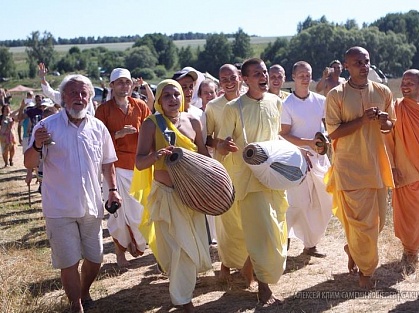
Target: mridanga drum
<point>202,183</point>
<point>277,164</point>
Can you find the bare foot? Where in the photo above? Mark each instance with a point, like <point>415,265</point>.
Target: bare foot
<point>224,275</point>
<point>121,260</point>
<point>133,250</point>
<point>409,262</point>
<point>352,267</point>
<point>266,298</point>
<point>365,281</point>
<point>120,256</point>
<point>188,307</point>
<point>247,273</point>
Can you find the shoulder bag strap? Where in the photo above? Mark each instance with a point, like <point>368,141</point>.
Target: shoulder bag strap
<point>168,134</point>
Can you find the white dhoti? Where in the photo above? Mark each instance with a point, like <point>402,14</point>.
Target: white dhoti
<point>124,228</point>
<point>310,206</point>
<point>211,226</point>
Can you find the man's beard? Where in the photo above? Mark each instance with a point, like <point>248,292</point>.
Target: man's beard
<point>76,113</point>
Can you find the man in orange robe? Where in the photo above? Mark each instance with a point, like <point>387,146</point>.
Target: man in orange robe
<point>403,147</point>
<point>357,112</point>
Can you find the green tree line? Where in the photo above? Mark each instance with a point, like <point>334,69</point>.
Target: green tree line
<point>106,39</point>
<point>393,43</point>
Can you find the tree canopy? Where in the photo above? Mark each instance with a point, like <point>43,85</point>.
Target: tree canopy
<point>319,42</point>
<point>7,66</point>
<point>40,48</point>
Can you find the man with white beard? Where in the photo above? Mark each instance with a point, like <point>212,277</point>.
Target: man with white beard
<point>71,195</point>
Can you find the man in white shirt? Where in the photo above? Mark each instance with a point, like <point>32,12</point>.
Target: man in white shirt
<point>71,194</point>
<point>310,206</point>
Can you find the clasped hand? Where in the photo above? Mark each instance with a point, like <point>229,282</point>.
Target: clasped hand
<point>374,113</point>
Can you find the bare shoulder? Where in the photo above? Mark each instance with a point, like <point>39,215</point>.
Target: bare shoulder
<point>148,126</point>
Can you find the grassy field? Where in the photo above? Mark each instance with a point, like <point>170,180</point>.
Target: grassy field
<point>125,45</point>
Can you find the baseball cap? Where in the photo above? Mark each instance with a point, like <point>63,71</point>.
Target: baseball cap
<point>334,62</point>
<point>47,102</point>
<point>118,73</point>
<point>30,104</point>
<point>184,72</point>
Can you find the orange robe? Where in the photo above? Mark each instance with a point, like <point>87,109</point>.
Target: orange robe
<point>360,170</point>
<point>403,147</point>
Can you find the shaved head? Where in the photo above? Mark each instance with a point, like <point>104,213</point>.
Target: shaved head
<point>229,67</point>
<point>412,72</point>
<point>355,51</point>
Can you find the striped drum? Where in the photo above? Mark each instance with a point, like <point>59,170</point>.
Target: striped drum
<point>202,183</point>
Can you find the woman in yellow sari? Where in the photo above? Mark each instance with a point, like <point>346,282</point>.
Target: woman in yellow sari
<point>179,240</point>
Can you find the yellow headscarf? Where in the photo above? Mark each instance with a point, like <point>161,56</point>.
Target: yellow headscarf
<point>159,91</point>
<point>181,140</point>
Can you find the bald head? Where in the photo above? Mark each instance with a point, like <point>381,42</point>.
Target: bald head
<point>276,78</point>
<point>230,80</point>
<point>277,67</point>
<point>300,64</point>
<point>229,67</point>
<point>413,72</point>
<point>354,51</point>
<point>410,84</point>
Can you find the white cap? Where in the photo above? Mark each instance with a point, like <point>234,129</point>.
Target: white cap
<point>118,73</point>
<point>185,72</point>
<point>47,102</point>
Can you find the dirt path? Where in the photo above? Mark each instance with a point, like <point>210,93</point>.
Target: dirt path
<point>308,284</point>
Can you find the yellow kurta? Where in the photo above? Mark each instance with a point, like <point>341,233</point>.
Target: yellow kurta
<point>214,116</point>
<point>403,148</point>
<point>262,210</point>
<point>230,238</point>
<point>360,169</point>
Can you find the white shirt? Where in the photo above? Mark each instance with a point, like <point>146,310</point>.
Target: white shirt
<point>73,166</point>
<point>304,116</point>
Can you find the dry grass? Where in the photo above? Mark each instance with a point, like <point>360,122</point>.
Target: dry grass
<point>29,284</point>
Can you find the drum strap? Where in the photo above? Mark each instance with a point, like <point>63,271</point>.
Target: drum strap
<point>168,134</point>
<point>242,120</point>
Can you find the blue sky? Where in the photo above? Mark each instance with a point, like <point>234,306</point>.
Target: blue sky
<point>74,18</point>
